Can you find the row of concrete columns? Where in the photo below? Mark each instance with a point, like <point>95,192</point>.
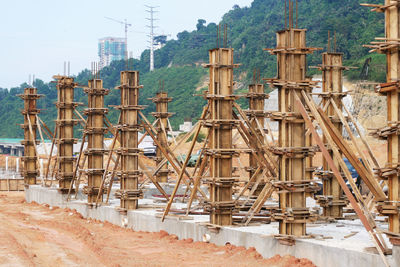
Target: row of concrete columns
<point>295,150</point>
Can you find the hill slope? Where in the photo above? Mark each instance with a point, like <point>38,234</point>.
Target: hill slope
<point>250,29</point>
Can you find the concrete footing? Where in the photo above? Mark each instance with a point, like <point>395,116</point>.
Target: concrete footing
<point>336,251</point>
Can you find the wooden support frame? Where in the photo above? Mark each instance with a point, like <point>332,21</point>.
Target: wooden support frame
<point>291,54</point>
<point>161,100</point>
<point>30,158</point>
<point>94,132</point>
<point>333,199</point>
<point>168,153</point>
<point>65,127</point>
<point>129,193</point>
<point>140,163</point>
<point>389,45</point>
<point>256,97</point>
<point>220,98</point>
<point>359,207</point>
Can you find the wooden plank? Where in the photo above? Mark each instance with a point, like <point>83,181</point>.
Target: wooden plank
<point>169,155</point>
<point>381,247</point>
<point>196,134</point>
<point>367,177</point>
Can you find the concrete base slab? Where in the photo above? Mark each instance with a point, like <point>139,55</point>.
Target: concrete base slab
<point>337,251</point>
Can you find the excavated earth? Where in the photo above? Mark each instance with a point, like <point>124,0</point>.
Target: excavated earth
<point>39,235</point>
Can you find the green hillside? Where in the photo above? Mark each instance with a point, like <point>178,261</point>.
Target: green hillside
<point>250,29</point>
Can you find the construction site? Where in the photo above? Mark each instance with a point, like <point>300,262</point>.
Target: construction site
<point>299,178</point>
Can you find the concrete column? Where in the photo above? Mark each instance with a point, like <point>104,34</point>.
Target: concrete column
<point>161,100</point>
<point>256,97</point>
<point>295,150</point>
<point>333,199</point>
<point>221,123</point>
<point>129,152</point>
<point>390,46</point>
<point>30,111</point>
<point>95,135</point>
<point>65,127</point>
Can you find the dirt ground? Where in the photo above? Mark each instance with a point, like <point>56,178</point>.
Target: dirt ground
<point>38,235</point>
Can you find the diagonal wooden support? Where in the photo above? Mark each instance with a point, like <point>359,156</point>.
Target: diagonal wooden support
<point>110,153</point>
<point>112,176</point>
<point>251,141</point>
<point>196,134</point>
<point>174,147</point>
<point>379,245</point>
<point>197,165</point>
<point>362,137</point>
<point>196,183</point>
<point>317,115</point>
<point>314,111</point>
<point>48,132</point>
<point>167,208</point>
<point>41,136</point>
<point>169,155</point>
<point>200,173</point>
<point>34,142</point>
<point>256,207</point>
<point>142,166</point>
<point>76,167</point>
<point>253,131</point>
<point>367,177</point>
<point>352,137</point>
<point>51,153</point>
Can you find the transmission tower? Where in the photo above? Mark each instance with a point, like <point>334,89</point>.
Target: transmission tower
<point>151,11</point>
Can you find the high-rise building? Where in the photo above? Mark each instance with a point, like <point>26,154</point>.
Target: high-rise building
<point>111,48</point>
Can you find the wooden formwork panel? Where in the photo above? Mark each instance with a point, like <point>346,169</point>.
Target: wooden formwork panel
<point>95,135</point>
<point>161,100</point>
<point>332,82</point>
<point>12,185</point>
<point>294,149</point>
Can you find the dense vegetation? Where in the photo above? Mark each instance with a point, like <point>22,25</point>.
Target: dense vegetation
<point>250,29</point>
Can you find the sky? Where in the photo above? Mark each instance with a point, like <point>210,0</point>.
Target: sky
<point>38,36</point>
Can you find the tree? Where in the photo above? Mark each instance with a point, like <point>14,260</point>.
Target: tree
<point>160,39</point>
<point>200,24</point>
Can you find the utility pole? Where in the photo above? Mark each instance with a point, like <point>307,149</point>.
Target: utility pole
<point>151,11</point>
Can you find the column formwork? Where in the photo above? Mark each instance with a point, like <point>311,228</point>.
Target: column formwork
<point>94,131</point>
<point>333,199</point>
<point>220,98</point>
<point>65,131</point>
<point>294,146</point>
<point>129,127</point>
<point>161,100</point>
<point>30,158</point>
<point>390,45</point>
<point>256,114</point>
